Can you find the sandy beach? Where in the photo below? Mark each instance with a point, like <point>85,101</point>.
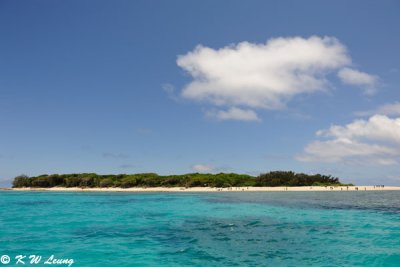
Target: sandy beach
<point>213,189</point>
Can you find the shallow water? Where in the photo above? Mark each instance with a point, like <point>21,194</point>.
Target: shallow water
<point>204,229</point>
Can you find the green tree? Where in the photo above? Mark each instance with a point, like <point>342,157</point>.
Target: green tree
<point>106,182</point>
<point>128,182</point>
<point>21,181</point>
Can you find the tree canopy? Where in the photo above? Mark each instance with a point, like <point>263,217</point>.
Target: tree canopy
<point>92,180</point>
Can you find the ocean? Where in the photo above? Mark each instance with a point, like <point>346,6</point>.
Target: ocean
<point>201,229</point>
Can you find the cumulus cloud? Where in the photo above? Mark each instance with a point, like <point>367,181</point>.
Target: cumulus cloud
<point>203,168</point>
<point>389,109</point>
<point>234,114</point>
<point>267,76</point>
<point>355,77</point>
<point>372,141</point>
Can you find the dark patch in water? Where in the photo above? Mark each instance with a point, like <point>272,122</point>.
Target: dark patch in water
<point>34,203</point>
<point>270,232</point>
<point>115,201</point>
<point>370,200</point>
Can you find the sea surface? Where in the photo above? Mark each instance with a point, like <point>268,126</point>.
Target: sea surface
<point>202,229</point>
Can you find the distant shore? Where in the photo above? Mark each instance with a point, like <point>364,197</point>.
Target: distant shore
<point>212,189</point>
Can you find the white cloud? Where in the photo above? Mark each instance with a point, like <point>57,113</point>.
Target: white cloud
<point>262,75</point>
<point>355,77</point>
<point>234,114</point>
<point>376,140</point>
<point>389,109</point>
<point>378,127</point>
<point>203,168</point>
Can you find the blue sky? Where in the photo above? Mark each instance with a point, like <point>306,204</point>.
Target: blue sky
<point>120,87</point>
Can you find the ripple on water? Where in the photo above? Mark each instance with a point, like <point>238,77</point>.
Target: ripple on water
<point>256,229</point>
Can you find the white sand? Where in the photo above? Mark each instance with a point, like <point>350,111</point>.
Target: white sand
<point>213,189</point>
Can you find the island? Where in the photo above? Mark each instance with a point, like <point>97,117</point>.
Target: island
<point>190,180</point>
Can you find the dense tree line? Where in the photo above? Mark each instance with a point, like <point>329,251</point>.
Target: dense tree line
<point>276,178</point>
<point>280,178</point>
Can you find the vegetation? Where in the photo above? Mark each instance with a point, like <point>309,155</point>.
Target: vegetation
<point>280,178</point>
<point>276,178</point>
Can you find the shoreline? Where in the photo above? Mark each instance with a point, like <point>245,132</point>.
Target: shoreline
<point>211,189</point>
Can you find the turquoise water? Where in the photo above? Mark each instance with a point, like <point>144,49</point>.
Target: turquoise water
<point>203,229</point>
